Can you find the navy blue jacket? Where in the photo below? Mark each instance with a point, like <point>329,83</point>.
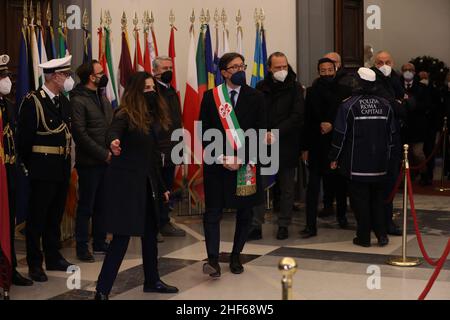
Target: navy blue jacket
<point>363,138</point>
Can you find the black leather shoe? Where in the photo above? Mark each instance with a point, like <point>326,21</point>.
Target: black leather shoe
<point>282,233</point>
<point>212,268</point>
<point>20,281</point>
<point>101,249</point>
<point>60,265</point>
<point>308,233</point>
<point>37,274</point>
<point>235,264</point>
<point>343,223</point>
<point>85,256</point>
<point>383,241</point>
<point>255,234</point>
<point>360,243</point>
<point>160,287</point>
<point>101,297</point>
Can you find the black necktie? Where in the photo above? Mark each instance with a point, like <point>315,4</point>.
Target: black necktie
<point>233,98</point>
<point>56,101</point>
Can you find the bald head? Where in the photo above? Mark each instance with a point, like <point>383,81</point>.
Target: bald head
<point>335,57</point>
<point>408,67</point>
<point>383,58</point>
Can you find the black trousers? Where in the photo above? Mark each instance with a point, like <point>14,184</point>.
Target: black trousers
<point>367,202</point>
<point>335,186</point>
<point>117,250</point>
<point>11,177</point>
<point>168,175</point>
<point>286,181</point>
<point>90,185</point>
<point>47,204</point>
<point>312,194</point>
<point>211,224</point>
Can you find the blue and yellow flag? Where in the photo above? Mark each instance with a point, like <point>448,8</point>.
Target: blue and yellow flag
<point>258,63</point>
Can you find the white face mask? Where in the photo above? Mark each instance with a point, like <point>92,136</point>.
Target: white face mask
<point>280,75</point>
<point>408,75</point>
<point>387,70</point>
<point>5,86</point>
<point>425,81</point>
<point>69,84</point>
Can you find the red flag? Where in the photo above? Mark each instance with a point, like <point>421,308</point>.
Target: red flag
<point>125,64</point>
<point>172,54</point>
<point>5,237</point>
<point>101,48</point>
<point>138,62</point>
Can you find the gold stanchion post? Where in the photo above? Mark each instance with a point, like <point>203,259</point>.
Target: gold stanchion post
<point>287,267</point>
<point>444,155</point>
<point>404,261</point>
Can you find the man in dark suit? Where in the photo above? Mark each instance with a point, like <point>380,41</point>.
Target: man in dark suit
<point>391,89</point>
<point>163,72</point>
<point>44,143</point>
<point>9,126</point>
<point>223,188</point>
<point>419,110</point>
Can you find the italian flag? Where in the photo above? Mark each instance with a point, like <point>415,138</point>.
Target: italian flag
<point>228,117</point>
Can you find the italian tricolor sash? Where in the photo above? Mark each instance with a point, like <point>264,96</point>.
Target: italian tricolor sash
<point>246,175</point>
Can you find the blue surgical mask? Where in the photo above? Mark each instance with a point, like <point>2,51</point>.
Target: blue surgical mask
<point>239,78</point>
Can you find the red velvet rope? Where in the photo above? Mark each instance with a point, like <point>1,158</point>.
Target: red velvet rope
<point>439,263</point>
<point>432,155</point>
<point>397,186</point>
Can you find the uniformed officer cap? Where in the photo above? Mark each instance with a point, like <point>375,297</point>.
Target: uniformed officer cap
<point>367,74</point>
<point>57,65</point>
<point>4,71</point>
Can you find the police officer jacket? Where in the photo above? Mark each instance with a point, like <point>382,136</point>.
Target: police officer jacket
<point>363,138</point>
<point>44,138</point>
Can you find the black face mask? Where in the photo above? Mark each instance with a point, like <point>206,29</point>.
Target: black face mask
<point>166,77</point>
<point>239,78</point>
<point>152,99</point>
<point>327,79</point>
<point>103,82</point>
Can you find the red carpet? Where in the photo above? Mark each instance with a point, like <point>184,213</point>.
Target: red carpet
<point>431,190</point>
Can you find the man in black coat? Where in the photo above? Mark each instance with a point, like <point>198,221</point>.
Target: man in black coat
<point>322,102</point>
<point>390,88</point>
<point>222,186</point>
<point>9,129</point>
<point>418,110</point>
<point>163,72</point>
<point>285,109</point>
<point>91,116</point>
<point>44,144</point>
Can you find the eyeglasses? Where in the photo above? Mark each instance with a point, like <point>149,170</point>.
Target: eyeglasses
<point>238,67</point>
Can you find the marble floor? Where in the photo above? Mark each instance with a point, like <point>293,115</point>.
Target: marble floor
<point>330,267</point>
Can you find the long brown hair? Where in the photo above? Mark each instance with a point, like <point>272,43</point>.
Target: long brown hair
<point>134,105</point>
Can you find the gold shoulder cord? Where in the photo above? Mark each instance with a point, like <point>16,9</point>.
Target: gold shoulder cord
<point>40,118</point>
<point>9,154</point>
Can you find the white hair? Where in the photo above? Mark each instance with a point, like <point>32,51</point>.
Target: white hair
<point>157,62</point>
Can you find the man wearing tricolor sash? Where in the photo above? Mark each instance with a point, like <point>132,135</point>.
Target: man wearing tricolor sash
<point>233,181</point>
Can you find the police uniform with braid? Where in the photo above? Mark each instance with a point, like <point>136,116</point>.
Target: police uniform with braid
<point>44,141</point>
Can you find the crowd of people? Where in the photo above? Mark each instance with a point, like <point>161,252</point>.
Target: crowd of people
<point>348,128</point>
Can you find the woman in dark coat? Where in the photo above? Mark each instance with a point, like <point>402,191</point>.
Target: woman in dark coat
<point>134,183</point>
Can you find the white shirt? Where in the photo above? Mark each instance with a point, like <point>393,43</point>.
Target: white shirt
<point>50,94</point>
<point>236,98</point>
<point>165,85</point>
